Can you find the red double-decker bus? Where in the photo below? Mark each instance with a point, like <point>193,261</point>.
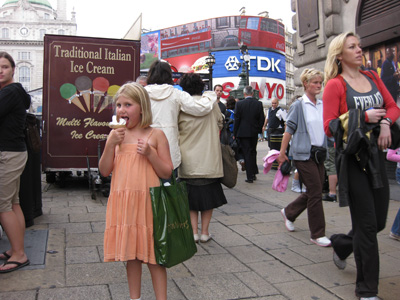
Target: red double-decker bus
<point>186,44</point>
<point>262,32</point>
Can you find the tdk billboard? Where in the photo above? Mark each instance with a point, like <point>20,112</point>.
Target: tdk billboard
<point>267,73</point>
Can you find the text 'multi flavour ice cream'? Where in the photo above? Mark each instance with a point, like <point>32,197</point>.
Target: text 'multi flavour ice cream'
<point>117,124</point>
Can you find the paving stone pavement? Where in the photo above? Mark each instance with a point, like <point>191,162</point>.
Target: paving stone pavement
<point>251,256</point>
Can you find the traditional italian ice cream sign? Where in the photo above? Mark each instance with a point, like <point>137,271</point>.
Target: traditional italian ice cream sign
<point>81,77</point>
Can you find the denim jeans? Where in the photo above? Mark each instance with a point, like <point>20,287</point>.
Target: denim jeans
<point>396,224</point>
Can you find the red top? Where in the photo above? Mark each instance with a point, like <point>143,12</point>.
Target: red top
<point>335,103</point>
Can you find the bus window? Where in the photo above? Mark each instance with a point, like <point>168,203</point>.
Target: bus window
<point>243,23</point>
<point>208,45</point>
<point>201,46</point>
<point>272,26</point>
<point>164,54</point>
<point>252,23</point>
<point>172,52</point>
<point>264,25</point>
<point>193,49</point>
<point>246,37</point>
<point>281,29</point>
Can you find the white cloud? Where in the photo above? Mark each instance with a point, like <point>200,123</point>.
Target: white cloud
<point>113,18</point>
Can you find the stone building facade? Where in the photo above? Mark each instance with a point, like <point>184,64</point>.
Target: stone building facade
<point>317,22</point>
<point>23,24</point>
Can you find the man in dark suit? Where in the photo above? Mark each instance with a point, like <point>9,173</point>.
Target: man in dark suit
<point>249,120</point>
<point>389,75</point>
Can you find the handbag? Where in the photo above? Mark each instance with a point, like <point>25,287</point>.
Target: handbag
<point>229,166</point>
<point>32,134</point>
<point>286,167</point>
<point>318,154</point>
<point>172,230</point>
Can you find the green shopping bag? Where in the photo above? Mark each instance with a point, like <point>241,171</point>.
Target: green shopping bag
<point>172,230</point>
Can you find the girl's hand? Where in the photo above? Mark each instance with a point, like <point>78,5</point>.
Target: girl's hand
<point>375,115</point>
<point>143,148</point>
<point>385,138</point>
<point>116,136</point>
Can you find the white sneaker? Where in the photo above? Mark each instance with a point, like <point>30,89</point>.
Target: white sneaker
<point>370,298</point>
<point>295,186</point>
<point>322,241</point>
<point>289,225</point>
<point>296,189</point>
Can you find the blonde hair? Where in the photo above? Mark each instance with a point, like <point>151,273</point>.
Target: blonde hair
<point>139,95</point>
<point>309,74</point>
<point>332,65</point>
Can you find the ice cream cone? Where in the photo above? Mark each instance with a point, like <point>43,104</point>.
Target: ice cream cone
<point>84,85</point>
<point>75,100</point>
<point>108,99</point>
<point>100,86</point>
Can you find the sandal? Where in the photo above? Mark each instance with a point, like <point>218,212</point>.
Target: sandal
<point>5,256</point>
<point>18,266</point>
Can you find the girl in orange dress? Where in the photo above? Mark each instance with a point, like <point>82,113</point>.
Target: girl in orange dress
<point>137,156</point>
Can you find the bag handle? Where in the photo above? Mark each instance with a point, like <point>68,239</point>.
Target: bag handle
<point>172,177</point>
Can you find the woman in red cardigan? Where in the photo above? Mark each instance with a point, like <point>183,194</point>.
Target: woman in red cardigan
<point>352,92</point>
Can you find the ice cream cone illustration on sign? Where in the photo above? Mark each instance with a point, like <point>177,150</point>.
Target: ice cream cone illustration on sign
<point>68,92</point>
<point>84,85</point>
<point>100,86</point>
<point>112,90</point>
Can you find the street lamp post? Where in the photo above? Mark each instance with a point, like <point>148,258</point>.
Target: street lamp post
<point>210,61</point>
<point>246,58</point>
<point>244,75</point>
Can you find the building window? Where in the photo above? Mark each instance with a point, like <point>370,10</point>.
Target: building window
<point>42,33</point>
<point>24,55</point>
<point>46,16</point>
<point>61,31</point>
<point>223,22</point>
<point>237,21</point>
<point>24,77</point>
<point>5,33</point>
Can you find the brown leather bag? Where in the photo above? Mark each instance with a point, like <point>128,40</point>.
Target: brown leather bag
<point>229,166</point>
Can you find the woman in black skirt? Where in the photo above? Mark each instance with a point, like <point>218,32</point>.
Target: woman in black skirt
<point>201,166</point>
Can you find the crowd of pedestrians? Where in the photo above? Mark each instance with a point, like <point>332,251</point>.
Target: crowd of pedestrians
<point>178,130</point>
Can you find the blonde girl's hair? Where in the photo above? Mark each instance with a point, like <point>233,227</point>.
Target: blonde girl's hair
<point>139,95</point>
<point>332,65</point>
<point>309,74</point>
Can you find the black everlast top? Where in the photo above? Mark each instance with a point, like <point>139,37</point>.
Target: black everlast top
<point>14,101</point>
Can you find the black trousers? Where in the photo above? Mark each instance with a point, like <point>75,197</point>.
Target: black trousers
<point>368,210</point>
<point>249,149</point>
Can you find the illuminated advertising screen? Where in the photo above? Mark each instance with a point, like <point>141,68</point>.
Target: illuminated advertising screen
<point>150,49</point>
<point>262,64</point>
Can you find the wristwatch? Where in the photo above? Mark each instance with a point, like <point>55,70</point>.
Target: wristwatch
<point>389,120</point>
